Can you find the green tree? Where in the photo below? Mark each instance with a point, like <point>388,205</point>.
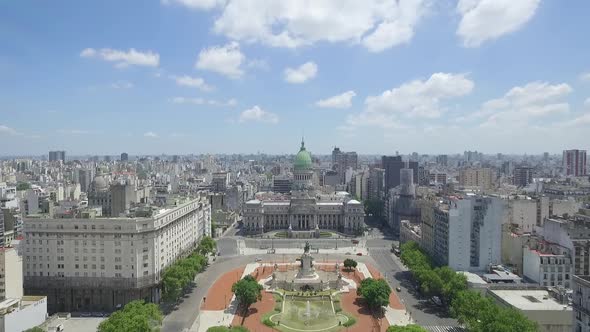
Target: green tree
<point>136,316</point>
<point>35,329</point>
<point>375,291</point>
<point>23,186</point>
<point>247,291</point>
<point>407,328</point>
<point>206,246</point>
<point>350,264</point>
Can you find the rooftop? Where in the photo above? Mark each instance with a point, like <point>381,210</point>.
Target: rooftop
<point>530,299</point>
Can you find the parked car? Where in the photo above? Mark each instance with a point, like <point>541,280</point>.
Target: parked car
<point>398,288</point>
<point>258,259</point>
<point>355,241</point>
<point>359,253</point>
<point>348,253</point>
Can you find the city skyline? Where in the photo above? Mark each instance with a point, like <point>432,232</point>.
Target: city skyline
<point>191,77</point>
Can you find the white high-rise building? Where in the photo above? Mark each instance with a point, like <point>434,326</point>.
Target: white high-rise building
<point>100,263</point>
<point>468,232</point>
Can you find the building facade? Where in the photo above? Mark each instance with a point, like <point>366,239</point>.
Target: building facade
<point>101,264</point>
<point>523,176</point>
<point>574,162</point>
<point>477,177</point>
<point>305,208</point>
<point>581,303</point>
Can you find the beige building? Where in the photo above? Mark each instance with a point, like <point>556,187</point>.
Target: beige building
<point>11,274</point>
<point>483,178</point>
<point>581,304</point>
<point>100,264</point>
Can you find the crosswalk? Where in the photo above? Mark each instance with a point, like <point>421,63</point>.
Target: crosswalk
<point>444,329</point>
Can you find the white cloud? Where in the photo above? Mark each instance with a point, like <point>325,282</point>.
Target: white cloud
<point>585,77</point>
<point>302,73</point>
<point>522,104</point>
<point>123,58</point>
<point>343,100</point>
<point>88,53</point>
<point>196,4</point>
<point>226,60</point>
<point>415,99</point>
<point>122,85</point>
<point>587,102</point>
<point>376,24</point>
<point>201,101</point>
<point>193,82</point>
<point>151,134</point>
<point>257,114</point>
<point>483,20</point>
<point>5,130</point>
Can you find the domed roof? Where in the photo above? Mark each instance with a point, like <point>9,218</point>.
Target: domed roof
<point>303,159</point>
<point>99,183</point>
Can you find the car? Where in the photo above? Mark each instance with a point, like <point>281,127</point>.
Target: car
<point>355,241</point>
<point>258,259</point>
<point>359,253</point>
<point>85,314</point>
<point>348,253</point>
<point>399,289</point>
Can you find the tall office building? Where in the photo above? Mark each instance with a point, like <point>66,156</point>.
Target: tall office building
<point>124,157</point>
<point>392,166</point>
<point>341,161</point>
<point>574,162</point>
<point>523,176</point>
<point>85,179</point>
<point>57,155</point>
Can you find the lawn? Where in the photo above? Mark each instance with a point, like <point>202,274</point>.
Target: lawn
<point>321,315</point>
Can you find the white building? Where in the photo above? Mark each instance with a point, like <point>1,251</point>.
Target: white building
<point>468,232</point>
<point>22,313</point>
<point>548,265</point>
<point>98,264</point>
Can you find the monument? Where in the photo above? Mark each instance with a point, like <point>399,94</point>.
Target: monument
<point>306,272</point>
<point>306,277</point>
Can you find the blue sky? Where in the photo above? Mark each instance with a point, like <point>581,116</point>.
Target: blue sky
<point>224,76</point>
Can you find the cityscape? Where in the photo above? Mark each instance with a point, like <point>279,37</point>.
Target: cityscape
<point>294,166</point>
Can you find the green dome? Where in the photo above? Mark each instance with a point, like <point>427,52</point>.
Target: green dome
<point>303,159</point>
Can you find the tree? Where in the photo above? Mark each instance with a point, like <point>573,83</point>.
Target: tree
<point>23,186</point>
<point>35,329</point>
<point>136,316</point>
<point>375,291</point>
<point>206,246</point>
<point>407,328</point>
<point>247,291</point>
<point>350,264</point>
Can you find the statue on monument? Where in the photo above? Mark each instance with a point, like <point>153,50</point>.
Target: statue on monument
<point>306,248</point>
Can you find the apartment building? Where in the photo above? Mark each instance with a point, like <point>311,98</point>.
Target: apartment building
<point>100,264</point>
